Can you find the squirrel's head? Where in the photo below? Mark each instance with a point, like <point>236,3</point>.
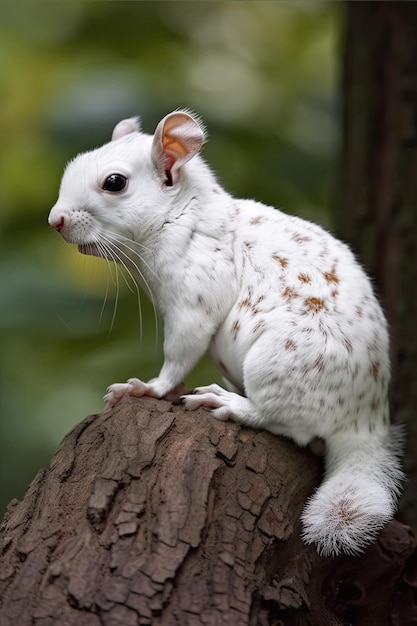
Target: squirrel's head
<point>125,188</point>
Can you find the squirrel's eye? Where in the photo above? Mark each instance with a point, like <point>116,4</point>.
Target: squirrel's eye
<point>115,183</point>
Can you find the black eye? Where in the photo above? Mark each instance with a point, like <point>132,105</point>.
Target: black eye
<point>115,183</point>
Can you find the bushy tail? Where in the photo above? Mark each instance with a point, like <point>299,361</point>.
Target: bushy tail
<point>359,492</point>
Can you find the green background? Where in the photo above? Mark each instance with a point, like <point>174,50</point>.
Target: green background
<point>264,78</point>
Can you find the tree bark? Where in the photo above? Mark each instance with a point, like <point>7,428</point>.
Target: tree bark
<point>150,514</point>
<point>378,189</point>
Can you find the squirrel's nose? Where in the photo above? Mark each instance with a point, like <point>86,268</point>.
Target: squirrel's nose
<point>57,219</point>
<point>58,224</point>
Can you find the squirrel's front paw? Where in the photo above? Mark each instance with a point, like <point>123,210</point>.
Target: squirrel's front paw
<point>133,387</point>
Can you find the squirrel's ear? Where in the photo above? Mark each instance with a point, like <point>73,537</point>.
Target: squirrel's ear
<point>125,127</point>
<point>178,137</point>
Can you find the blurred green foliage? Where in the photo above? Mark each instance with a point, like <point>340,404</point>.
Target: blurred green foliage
<point>263,75</point>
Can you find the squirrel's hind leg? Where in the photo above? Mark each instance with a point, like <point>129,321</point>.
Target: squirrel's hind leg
<point>225,405</point>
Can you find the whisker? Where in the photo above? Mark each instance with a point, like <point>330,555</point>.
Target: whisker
<point>106,250</point>
<point>120,239</point>
<point>115,253</point>
<point>103,306</point>
<point>123,251</point>
<point>119,242</point>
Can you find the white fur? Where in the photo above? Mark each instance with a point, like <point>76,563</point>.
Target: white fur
<point>282,307</point>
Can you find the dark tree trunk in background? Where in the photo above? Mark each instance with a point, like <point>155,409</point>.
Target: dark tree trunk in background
<point>378,191</point>
<point>150,514</point>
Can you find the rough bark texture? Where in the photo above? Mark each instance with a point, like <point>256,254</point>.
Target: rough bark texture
<point>378,190</point>
<point>152,515</point>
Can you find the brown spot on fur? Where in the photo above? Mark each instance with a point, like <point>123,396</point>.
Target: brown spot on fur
<point>259,326</point>
<point>374,369</point>
<point>256,220</point>
<point>245,303</point>
<point>300,238</point>
<point>348,345</point>
<point>346,513</point>
<point>255,308</point>
<point>235,328</point>
<point>290,345</point>
<point>359,311</point>
<point>341,401</point>
<point>319,363</point>
<point>304,278</point>
<point>334,293</point>
<point>283,262</point>
<point>248,244</point>
<point>289,293</point>
<point>314,305</point>
<point>331,277</point>
<point>374,406</point>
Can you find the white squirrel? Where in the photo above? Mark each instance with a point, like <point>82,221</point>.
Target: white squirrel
<point>282,307</point>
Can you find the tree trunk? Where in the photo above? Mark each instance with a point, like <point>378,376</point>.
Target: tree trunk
<point>150,514</point>
<point>378,191</point>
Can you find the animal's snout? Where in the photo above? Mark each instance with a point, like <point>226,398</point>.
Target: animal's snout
<point>58,219</point>
<point>58,223</point>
